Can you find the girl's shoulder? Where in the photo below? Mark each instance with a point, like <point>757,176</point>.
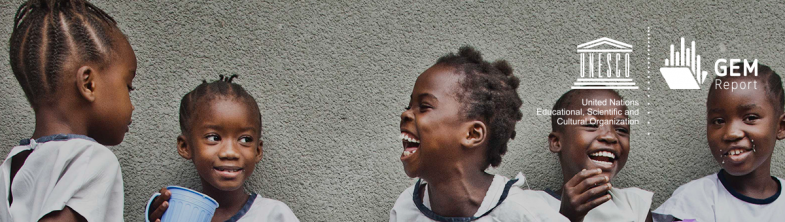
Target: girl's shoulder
<point>69,149</point>
<point>694,199</point>
<point>266,209</point>
<point>268,203</point>
<point>706,184</point>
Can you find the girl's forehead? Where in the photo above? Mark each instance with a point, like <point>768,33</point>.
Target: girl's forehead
<point>437,81</point>
<point>226,108</point>
<point>739,99</point>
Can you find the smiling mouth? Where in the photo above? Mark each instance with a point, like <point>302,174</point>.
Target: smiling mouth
<point>410,144</point>
<point>735,152</point>
<point>603,158</point>
<point>228,172</point>
<point>737,155</point>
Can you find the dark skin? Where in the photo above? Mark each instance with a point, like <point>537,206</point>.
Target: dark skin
<point>451,155</point>
<point>226,134</point>
<point>587,181</point>
<point>734,120</point>
<point>91,101</point>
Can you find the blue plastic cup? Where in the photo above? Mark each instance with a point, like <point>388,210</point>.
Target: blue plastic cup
<point>185,205</point>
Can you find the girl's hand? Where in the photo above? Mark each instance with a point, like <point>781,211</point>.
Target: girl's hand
<point>160,204</point>
<point>585,191</point>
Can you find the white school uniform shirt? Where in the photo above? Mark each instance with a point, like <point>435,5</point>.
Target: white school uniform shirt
<point>260,209</point>
<point>62,170</point>
<point>516,207</point>
<point>709,199</point>
<point>626,205</point>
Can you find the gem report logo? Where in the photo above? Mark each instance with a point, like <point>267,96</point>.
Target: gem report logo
<point>605,64</point>
<point>682,70</point>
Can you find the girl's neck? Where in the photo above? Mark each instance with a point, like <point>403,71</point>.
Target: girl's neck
<point>757,184</point>
<point>48,121</point>
<point>458,193</point>
<point>229,202</point>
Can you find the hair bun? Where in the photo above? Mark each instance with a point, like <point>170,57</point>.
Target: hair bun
<point>470,53</point>
<point>503,66</point>
<point>227,78</point>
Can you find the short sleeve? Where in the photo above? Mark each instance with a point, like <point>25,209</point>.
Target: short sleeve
<point>690,201</point>
<point>281,213</point>
<point>91,184</point>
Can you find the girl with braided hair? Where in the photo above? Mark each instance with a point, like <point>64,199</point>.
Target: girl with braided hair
<point>221,133</point>
<point>76,68</point>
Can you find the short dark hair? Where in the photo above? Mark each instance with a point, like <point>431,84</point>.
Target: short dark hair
<point>207,92</point>
<point>565,101</point>
<point>772,83</point>
<point>489,93</point>
<point>47,33</point>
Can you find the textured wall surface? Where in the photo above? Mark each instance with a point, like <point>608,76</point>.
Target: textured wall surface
<point>333,77</point>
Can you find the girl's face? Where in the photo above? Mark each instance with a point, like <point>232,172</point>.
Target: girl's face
<point>737,122</point>
<point>431,123</point>
<point>592,145</point>
<point>112,95</point>
<point>224,143</point>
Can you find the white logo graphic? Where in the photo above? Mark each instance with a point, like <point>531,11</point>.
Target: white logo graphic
<point>683,69</point>
<point>608,63</point>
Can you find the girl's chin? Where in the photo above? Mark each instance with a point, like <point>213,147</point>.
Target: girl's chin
<point>226,186</point>
<point>737,171</point>
<point>411,173</point>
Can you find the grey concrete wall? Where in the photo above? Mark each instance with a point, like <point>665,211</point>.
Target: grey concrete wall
<point>332,78</point>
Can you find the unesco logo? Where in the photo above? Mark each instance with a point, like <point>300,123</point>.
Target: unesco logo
<point>605,64</point>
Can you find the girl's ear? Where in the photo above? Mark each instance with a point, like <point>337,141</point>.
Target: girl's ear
<point>85,82</point>
<point>260,151</point>
<point>476,132</point>
<point>781,127</point>
<point>554,142</point>
<point>182,147</point>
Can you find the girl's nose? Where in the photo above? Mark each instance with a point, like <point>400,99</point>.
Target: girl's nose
<point>407,116</point>
<point>229,151</point>
<point>607,135</point>
<point>733,133</point>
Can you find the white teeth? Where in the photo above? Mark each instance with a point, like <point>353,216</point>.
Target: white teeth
<point>736,151</point>
<point>407,153</point>
<point>406,137</point>
<point>602,163</point>
<point>229,170</point>
<point>603,154</point>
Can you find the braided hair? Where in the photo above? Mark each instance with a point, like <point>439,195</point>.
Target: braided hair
<point>489,93</point>
<point>47,33</point>
<point>207,92</point>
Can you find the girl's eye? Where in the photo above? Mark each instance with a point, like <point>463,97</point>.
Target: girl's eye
<point>213,138</point>
<point>246,139</point>
<point>407,108</point>
<point>592,125</point>
<point>717,121</point>
<point>622,130</point>
<point>425,107</point>
<point>751,118</point>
